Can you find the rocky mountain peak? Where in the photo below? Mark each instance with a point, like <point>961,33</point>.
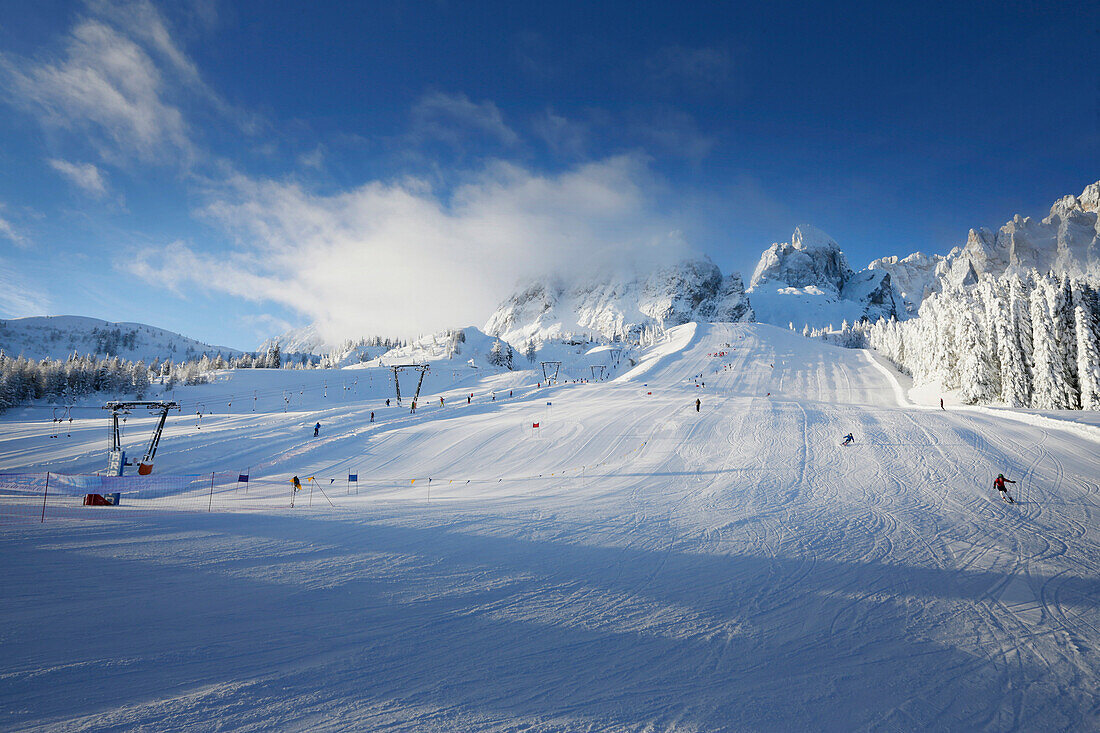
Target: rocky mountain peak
<point>621,305</point>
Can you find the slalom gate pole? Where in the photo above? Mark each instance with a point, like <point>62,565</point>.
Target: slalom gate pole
<point>45,493</point>
<point>210,504</point>
<point>311,493</point>
<point>325,495</point>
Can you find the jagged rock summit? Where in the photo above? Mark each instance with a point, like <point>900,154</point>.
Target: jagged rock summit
<point>1066,241</point>
<point>808,281</point>
<point>620,305</point>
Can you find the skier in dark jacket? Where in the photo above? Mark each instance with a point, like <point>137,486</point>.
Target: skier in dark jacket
<point>697,404</point>
<point>999,484</point>
<point>848,439</point>
<point>316,430</point>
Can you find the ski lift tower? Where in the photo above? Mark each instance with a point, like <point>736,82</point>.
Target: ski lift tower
<point>549,367</point>
<point>422,368</point>
<point>116,457</point>
<point>615,354</point>
<point>598,371</point>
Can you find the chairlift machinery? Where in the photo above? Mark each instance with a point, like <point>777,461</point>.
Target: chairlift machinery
<point>422,368</point>
<point>550,370</point>
<point>116,457</point>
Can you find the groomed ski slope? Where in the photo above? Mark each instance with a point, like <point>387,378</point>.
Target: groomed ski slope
<point>731,569</point>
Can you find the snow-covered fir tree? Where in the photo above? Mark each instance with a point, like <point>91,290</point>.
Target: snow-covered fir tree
<point>1026,342</point>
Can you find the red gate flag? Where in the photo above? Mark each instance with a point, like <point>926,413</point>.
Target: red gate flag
<point>534,425</point>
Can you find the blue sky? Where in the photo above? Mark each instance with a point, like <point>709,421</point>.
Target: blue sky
<point>228,170</point>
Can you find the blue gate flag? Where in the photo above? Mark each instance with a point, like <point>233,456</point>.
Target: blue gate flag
<point>242,478</point>
<point>549,403</point>
<point>353,477</point>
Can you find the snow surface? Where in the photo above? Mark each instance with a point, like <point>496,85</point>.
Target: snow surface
<point>729,569</point>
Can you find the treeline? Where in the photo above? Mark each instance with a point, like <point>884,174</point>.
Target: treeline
<point>1027,342</point>
<point>64,381</point>
<point>25,380</point>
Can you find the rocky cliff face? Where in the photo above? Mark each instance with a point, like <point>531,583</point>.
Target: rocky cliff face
<point>621,305</point>
<point>808,281</point>
<point>811,258</point>
<point>1066,241</point>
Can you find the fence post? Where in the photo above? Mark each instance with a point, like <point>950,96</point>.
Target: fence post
<point>45,492</point>
<point>210,505</point>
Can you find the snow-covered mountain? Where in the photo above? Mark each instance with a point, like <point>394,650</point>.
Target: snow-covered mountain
<point>56,337</point>
<point>303,340</point>
<point>808,281</point>
<point>621,305</point>
<point>1066,241</point>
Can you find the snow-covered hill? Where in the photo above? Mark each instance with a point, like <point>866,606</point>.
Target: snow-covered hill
<point>57,337</point>
<point>619,306</point>
<point>631,564</point>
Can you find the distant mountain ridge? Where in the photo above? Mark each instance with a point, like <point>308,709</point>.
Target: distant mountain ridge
<point>809,281</point>
<point>57,337</point>
<point>620,305</point>
<point>1066,241</point>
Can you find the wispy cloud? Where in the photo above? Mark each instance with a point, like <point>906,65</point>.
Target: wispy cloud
<point>396,256</point>
<point>672,131</point>
<point>562,135</point>
<point>108,87</point>
<point>695,69</point>
<point>9,232</point>
<point>18,298</point>
<point>84,175</point>
<point>453,118</point>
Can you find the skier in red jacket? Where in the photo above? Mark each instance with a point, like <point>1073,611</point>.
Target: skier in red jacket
<point>999,484</point>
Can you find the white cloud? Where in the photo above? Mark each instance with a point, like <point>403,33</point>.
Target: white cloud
<point>9,232</point>
<point>397,257</point>
<point>562,135</point>
<point>108,85</point>
<point>17,297</point>
<point>84,175</point>
<point>453,117</point>
<point>314,159</point>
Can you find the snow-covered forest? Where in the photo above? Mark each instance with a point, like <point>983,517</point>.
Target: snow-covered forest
<point>24,380</point>
<point>1030,341</point>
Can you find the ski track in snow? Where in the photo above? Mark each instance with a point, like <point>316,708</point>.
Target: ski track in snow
<point>730,569</point>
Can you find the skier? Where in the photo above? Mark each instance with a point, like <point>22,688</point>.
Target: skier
<point>413,410</point>
<point>441,402</point>
<point>468,398</point>
<point>697,403</point>
<point>999,484</point>
<point>372,415</point>
<point>848,439</point>
<point>316,430</point>
<point>941,405</point>
<point>297,483</point>
<point>387,403</point>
